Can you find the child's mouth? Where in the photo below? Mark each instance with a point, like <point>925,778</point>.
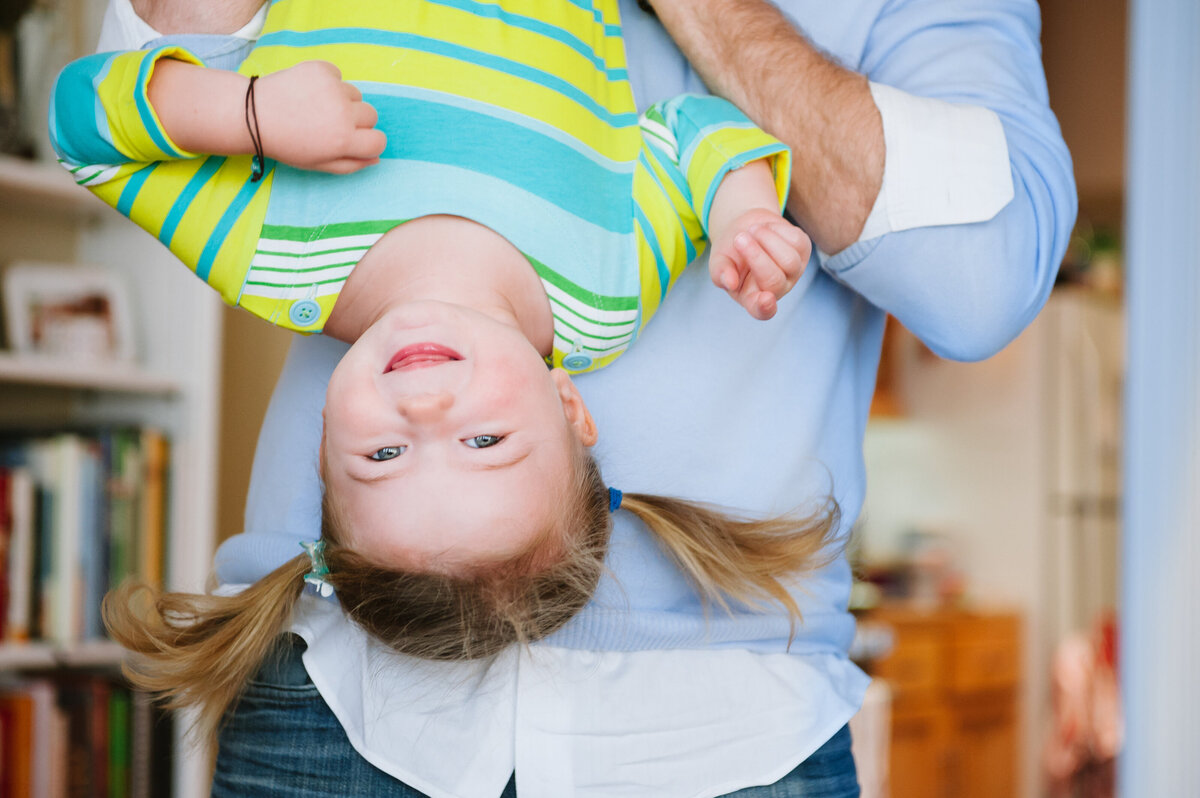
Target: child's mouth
<point>421,355</point>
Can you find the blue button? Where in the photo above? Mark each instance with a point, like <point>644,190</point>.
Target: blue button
<point>576,362</point>
<point>304,312</point>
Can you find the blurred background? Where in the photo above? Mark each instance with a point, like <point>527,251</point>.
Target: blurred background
<point>988,550</point>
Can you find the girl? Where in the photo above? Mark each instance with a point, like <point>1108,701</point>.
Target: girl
<point>462,511</point>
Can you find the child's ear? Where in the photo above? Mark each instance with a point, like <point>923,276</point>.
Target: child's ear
<point>578,416</point>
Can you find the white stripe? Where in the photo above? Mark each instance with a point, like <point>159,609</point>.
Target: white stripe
<point>292,278</point>
<point>105,171</point>
<point>661,137</point>
<point>319,245</point>
<point>290,292</point>
<point>597,351</point>
<point>556,294</point>
<point>589,328</point>
<point>296,262</point>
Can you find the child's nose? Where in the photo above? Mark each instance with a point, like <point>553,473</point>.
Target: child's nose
<point>425,406</point>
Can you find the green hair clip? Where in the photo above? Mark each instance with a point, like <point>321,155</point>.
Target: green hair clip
<point>316,576</point>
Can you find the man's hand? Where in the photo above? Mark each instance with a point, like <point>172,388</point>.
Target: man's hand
<point>311,119</point>
<point>757,259</point>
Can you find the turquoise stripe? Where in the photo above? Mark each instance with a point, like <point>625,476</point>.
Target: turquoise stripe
<point>228,219</point>
<point>672,170</point>
<point>736,162</point>
<point>664,274</point>
<point>499,112</point>
<point>184,200</point>
<point>78,132</point>
<point>142,102</point>
<point>536,26</point>
<point>465,54</point>
<point>133,187</point>
<point>478,142</point>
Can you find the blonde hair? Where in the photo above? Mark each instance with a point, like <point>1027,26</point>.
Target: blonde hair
<point>201,650</point>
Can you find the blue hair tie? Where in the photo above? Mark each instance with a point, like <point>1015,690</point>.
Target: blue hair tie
<point>614,499</point>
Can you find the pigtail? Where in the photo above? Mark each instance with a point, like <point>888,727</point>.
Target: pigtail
<point>201,650</point>
<point>734,558</point>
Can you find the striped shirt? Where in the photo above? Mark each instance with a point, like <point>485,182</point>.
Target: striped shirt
<point>517,115</point>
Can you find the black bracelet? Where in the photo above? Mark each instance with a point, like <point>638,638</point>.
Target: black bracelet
<point>645,6</point>
<point>257,163</point>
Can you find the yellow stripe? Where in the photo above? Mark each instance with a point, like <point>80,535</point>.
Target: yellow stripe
<point>229,268</point>
<point>447,22</point>
<point>647,276</point>
<point>119,91</point>
<point>714,153</point>
<point>454,77</point>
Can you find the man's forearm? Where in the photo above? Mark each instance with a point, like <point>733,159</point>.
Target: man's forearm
<point>748,52</point>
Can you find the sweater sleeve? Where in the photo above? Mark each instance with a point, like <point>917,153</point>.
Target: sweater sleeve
<point>968,289</point>
<point>689,144</point>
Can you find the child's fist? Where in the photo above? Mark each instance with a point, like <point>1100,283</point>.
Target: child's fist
<point>312,119</point>
<point>757,259</point>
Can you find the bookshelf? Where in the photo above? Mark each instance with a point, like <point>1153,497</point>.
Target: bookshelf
<point>174,387</point>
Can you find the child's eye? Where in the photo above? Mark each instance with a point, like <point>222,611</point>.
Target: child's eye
<point>483,441</point>
<point>388,453</point>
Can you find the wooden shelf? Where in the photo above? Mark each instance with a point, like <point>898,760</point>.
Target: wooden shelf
<point>44,187</point>
<point>52,372</point>
<point>37,656</point>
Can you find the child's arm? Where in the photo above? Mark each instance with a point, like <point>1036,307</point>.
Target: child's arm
<point>726,181</point>
<point>757,255</point>
<point>308,117</point>
<point>162,104</point>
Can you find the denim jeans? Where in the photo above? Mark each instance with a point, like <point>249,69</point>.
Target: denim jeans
<point>283,740</point>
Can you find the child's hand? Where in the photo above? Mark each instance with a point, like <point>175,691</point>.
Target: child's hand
<point>757,259</point>
<point>311,119</point>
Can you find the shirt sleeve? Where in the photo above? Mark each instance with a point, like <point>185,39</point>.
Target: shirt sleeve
<point>205,209</point>
<point>967,289</point>
<point>100,111</point>
<point>689,144</point>
<point>945,163</point>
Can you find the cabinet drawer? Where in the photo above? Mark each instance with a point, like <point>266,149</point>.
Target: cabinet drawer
<point>914,665</point>
<point>986,656</point>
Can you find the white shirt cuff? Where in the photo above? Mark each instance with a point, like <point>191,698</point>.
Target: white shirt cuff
<point>945,164</point>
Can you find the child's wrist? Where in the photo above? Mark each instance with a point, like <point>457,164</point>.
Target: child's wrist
<point>742,191</point>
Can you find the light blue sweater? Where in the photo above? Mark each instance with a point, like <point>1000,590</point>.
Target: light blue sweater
<point>752,415</point>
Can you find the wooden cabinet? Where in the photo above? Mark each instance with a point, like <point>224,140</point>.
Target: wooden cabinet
<point>954,677</point>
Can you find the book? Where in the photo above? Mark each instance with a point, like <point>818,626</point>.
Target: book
<point>46,727</point>
<point>17,708</point>
<point>22,500</point>
<point>118,743</point>
<point>153,507</point>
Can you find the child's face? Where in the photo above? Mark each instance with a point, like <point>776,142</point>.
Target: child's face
<point>448,443</point>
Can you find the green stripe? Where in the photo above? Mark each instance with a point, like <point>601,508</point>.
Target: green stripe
<point>297,271</point>
<point>297,285</point>
<point>289,233</point>
<point>90,178</point>
<point>306,254</point>
<point>582,294</point>
<point>631,323</point>
<point>580,332</point>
